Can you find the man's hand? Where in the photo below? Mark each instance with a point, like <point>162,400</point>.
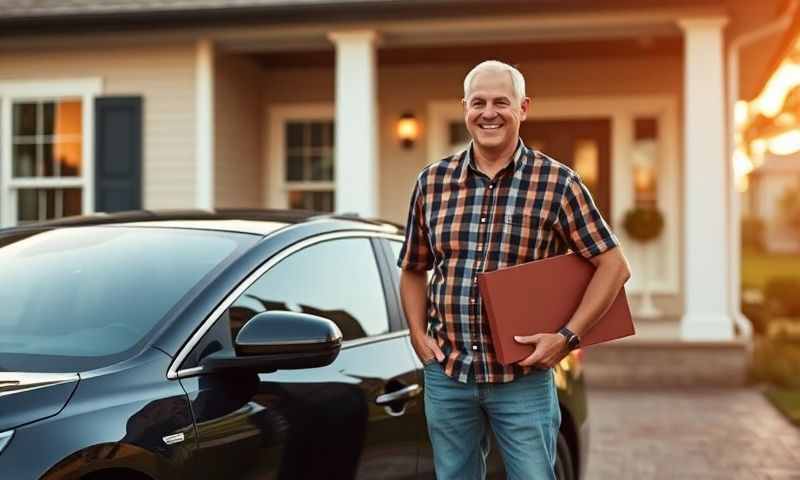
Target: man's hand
<point>549,349</point>
<point>426,348</point>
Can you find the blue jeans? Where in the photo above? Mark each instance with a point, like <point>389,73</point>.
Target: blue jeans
<point>523,414</point>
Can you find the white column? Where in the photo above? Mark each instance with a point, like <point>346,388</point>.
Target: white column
<point>706,252</point>
<point>356,164</point>
<point>204,124</point>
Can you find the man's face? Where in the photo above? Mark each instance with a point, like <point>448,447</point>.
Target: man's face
<point>492,112</point>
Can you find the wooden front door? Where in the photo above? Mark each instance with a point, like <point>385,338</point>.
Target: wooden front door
<point>583,145</point>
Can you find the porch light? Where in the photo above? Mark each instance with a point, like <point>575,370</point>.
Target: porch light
<point>407,130</point>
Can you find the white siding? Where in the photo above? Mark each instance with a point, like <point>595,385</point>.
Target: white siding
<point>163,75</point>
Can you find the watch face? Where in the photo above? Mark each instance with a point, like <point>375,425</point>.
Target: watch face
<point>573,341</point>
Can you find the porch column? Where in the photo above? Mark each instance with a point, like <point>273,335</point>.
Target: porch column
<point>706,249</point>
<point>356,164</point>
<point>204,124</point>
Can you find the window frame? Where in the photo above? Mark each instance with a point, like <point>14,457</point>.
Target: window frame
<point>275,182</point>
<point>391,298</point>
<point>85,89</point>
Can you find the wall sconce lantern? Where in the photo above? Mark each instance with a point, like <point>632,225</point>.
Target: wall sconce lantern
<point>407,130</point>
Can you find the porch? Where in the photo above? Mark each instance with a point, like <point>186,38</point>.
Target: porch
<point>613,97</point>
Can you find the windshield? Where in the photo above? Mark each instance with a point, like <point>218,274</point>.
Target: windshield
<point>79,298</point>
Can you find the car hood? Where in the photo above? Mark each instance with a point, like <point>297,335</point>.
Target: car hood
<point>26,397</point>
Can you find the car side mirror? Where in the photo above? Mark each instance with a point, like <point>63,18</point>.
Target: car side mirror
<point>280,340</point>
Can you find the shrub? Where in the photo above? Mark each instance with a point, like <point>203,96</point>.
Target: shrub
<point>782,297</point>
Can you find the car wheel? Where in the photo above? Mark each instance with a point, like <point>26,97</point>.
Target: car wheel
<point>564,466</point>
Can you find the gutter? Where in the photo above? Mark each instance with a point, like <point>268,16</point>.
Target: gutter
<point>779,25</point>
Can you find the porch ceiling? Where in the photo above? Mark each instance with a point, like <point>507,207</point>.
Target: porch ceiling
<point>513,53</point>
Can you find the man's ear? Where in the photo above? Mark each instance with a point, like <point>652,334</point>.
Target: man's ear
<point>524,107</point>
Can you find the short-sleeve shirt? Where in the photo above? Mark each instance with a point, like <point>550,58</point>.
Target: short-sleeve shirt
<point>461,223</point>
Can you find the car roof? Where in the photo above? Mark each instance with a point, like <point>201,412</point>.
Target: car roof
<point>253,221</point>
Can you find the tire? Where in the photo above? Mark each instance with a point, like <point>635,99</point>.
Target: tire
<point>564,467</point>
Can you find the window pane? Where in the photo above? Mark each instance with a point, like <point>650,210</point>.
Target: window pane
<point>39,204</point>
<point>66,157</point>
<point>294,135</point>
<point>24,119</point>
<point>294,168</point>
<point>337,280</point>
<point>68,118</point>
<point>320,201</point>
<point>24,162</point>
<point>645,160</point>
<point>316,167</point>
<point>326,167</point>
<point>587,161</point>
<point>316,134</point>
<point>27,205</point>
<point>48,120</point>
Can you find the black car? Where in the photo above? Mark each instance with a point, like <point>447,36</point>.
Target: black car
<point>220,345</point>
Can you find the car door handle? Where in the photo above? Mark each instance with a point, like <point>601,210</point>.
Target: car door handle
<point>404,393</point>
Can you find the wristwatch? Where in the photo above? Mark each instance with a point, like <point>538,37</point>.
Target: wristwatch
<point>573,341</point>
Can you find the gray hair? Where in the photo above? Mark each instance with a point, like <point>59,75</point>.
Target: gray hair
<point>517,80</point>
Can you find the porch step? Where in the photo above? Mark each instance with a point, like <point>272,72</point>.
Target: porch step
<point>670,363</point>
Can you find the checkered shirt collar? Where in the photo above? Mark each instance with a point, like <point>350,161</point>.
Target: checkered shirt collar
<point>467,161</point>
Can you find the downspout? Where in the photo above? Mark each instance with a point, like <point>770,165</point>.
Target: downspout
<point>777,26</point>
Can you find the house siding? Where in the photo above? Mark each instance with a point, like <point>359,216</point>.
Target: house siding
<point>163,75</point>
<point>238,133</point>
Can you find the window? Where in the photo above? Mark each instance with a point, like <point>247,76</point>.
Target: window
<point>336,279</point>
<point>309,164</point>
<point>46,147</point>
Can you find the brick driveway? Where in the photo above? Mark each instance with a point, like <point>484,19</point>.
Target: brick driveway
<point>663,433</point>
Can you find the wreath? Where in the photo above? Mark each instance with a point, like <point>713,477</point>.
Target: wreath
<point>643,223</point>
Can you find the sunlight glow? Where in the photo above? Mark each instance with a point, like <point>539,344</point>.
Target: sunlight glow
<point>785,143</point>
<point>771,99</point>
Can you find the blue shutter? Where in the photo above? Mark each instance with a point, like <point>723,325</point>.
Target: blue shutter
<point>118,154</point>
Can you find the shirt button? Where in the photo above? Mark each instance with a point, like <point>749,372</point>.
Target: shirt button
<point>483,219</point>
<point>491,186</point>
<point>471,300</point>
<point>474,347</point>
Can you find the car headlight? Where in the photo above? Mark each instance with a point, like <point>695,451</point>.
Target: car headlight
<point>5,439</point>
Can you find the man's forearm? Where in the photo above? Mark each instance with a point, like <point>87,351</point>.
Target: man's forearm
<point>606,283</point>
<point>413,290</point>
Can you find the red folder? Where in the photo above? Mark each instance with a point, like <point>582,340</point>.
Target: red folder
<point>540,297</point>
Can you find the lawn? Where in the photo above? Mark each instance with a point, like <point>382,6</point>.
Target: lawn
<point>787,401</point>
<point>759,267</point>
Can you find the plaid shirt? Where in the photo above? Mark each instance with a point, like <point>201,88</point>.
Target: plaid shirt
<point>461,222</point>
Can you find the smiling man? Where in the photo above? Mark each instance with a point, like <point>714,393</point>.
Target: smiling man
<point>494,205</point>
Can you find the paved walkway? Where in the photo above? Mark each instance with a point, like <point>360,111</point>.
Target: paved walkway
<point>689,434</point>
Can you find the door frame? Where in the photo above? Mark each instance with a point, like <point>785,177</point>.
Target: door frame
<point>621,110</point>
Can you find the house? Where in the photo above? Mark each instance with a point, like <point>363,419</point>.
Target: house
<point>267,103</point>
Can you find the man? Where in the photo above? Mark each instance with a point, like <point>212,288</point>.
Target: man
<point>496,204</point>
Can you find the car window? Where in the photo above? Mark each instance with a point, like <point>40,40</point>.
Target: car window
<point>334,279</point>
<point>73,298</point>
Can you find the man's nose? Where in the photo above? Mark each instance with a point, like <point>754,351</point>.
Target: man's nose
<point>489,112</point>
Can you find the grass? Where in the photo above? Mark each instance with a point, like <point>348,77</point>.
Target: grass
<point>787,401</point>
<point>759,267</point>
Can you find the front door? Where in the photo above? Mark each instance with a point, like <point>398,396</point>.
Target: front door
<point>583,145</point>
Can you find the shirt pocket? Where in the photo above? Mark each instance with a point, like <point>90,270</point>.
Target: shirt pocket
<point>521,231</point>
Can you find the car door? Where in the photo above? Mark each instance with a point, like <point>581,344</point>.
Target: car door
<point>346,420</point>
